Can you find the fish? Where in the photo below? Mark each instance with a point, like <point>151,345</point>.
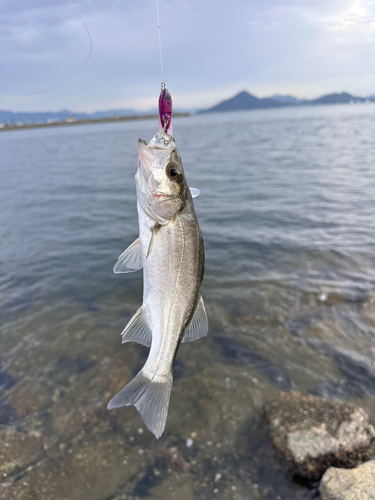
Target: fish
<point>170,251</point>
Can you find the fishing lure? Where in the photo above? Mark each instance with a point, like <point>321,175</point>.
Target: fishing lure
<point>165,110</point>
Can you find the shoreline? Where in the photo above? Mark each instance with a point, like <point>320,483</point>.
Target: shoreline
<point>88,122</point>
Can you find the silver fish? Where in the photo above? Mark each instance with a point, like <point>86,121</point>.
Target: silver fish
<point>170,251</point>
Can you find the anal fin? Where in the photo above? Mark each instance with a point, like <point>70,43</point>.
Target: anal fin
<point>138,330</point>
<point>131,259</point>
<point>198,326</point>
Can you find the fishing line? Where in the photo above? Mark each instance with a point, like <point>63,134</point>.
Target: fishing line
<point>70,76</point>
<point>161,56</point>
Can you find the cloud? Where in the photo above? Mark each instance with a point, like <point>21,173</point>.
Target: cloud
<point>210,50</point>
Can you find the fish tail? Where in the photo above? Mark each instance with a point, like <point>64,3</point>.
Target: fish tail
<point>149,397</point>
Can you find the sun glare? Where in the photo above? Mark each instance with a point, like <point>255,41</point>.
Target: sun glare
<point>357,13</point>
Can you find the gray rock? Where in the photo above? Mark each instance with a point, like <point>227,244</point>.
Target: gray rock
<point>353,484</point>
<point>311,433</point>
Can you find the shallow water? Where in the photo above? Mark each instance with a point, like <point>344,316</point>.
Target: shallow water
<point>287,214</point>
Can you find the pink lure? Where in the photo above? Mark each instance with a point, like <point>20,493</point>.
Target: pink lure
<point>165,111</point>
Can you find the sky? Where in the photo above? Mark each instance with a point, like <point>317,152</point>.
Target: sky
<point>212,49</point>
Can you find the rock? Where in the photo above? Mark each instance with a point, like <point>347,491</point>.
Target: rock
<point>353,484</point>
<point>17,451</point>
<point>311,433</point>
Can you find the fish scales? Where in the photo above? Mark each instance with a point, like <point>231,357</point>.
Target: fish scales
<point>171,278</point>
<point>170,251</point>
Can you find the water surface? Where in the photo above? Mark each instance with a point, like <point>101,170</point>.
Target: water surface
<point>287,214</point>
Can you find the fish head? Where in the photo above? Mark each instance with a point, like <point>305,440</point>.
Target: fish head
<point>161,186</point>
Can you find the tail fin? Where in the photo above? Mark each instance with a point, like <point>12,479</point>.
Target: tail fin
<point>150,398</point>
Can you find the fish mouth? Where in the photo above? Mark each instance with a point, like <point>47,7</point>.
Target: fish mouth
<point>163,141</point>
<point>151,166</point>
<point>151,162</point>
<point>145,163</point>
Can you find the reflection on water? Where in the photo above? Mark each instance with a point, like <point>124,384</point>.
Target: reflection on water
<point>286,211</point>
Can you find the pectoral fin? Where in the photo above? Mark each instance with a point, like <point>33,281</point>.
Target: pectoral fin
<point>130,260</point>
<point>137,330</point>
<point>194,192</point>
<point>198,326</point>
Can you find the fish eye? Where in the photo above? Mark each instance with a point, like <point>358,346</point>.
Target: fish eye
<point>174,173</point>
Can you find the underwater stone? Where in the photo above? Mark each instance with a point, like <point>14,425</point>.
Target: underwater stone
<point>311,433</point>
<point>17,450</point>
<point>238,353</point>
<point>6,380</point>
<point>8,414</point>
<point>92,469</point>
<point>353,484</point>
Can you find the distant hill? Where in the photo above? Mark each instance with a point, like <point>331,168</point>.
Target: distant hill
<point>242,101</point>
<point>245,101</point>
<point>287,99</point>
<point>343,98</point>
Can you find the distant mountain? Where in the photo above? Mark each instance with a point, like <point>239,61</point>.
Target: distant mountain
<point>243,101</point>
<point>343,98</point>
<point>246,101</point>
<point>287,99</point>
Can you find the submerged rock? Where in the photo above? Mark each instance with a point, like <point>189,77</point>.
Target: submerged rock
<point>93,468</point>
<point>353,484</point>
<point>311,433</point>
<point>238,353</point>
<point>17,451</point>
<point>6,380</point>
<point>8,414</point>
<point>338,389</point>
